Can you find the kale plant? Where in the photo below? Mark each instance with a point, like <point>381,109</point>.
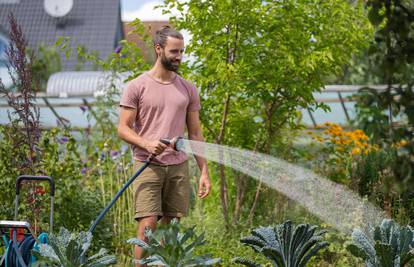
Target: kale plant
<point>389,245</point>
<point>168,246</point>
<point>67,249</point>
<point>284,244</point>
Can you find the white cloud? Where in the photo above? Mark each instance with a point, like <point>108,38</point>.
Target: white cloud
<point>147,12</point>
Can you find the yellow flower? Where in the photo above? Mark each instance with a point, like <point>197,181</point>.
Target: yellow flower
<point>340,149</point>
<point>403,143</point>
<point>347,142</point>
<point>318,138</point>
<point>356,151</point>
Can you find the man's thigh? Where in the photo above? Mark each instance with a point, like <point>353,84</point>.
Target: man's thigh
<point>147,189</point>
<point>176,191</point>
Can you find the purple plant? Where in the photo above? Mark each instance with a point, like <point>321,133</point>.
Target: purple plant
<point>83,108</point>
<point>118,49</point>
<point>24,119</point>
<point>84,170</point>
<point>114,153</point>
<point>62,140</point>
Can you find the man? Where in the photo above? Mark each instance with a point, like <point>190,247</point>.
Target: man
<point>160,104</point>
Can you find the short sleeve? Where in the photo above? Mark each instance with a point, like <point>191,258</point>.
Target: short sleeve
<point>129,96</point>
<point>194,104</point>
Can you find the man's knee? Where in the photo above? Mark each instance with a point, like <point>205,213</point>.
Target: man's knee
<point>146,222</point>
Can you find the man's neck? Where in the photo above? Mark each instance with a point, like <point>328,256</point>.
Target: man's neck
<point>161,74</point>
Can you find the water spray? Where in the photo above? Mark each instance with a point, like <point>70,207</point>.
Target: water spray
<point>333,203</point>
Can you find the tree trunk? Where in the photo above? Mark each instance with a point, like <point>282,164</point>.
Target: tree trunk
<point>240,181</point>
<point>256,200</point>
<point>223,182</point>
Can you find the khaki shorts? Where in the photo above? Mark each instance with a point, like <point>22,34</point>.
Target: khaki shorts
<point>161,191</point>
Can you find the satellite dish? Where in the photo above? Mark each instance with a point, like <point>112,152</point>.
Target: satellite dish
<point>58,8</point>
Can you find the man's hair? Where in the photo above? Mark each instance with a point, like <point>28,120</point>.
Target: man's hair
<point>163,33</point>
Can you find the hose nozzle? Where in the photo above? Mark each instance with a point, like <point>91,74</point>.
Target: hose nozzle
<point>176,143</point>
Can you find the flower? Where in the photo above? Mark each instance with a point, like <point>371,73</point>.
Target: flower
<point>356,151</point>
<point>39,190</point>
<point>84,170</point>
<point>403,142</point>
<point>63,140</point>
<point>83,108</point>
<point>118,49</point>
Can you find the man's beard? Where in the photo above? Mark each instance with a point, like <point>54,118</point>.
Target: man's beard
<point>168,63</point>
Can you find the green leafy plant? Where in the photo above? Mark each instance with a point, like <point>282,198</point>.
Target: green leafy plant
<point>168,246</point>
<point>284,244</point>
<point>67,249</point>
<point>390,245</point>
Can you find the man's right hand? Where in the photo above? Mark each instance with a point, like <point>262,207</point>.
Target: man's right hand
<point>155,147</point>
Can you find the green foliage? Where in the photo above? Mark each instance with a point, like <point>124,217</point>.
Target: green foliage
<point>371,175</point>
<point>76,205</point>
<point>392,50</point>
<point>371,117</point>
<point>168,246</point>
<point>67,249</point>
<point>46,62</point>
<point>389,245</point>
<point>285,244</point>
<point>299,41</point>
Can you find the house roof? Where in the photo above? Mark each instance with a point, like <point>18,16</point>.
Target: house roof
<point>94,24</point>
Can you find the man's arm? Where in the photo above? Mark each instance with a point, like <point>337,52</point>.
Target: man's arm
<point>126,132</point>
<point>195,133</point>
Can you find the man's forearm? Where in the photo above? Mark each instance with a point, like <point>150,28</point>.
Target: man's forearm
<point>131,137</point>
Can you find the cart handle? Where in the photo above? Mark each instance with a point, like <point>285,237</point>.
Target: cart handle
<point>22,178</point>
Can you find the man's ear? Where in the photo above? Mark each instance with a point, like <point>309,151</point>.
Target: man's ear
<point>158,49</point>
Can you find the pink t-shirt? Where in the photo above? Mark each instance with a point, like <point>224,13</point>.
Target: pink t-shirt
<point>161,112</point>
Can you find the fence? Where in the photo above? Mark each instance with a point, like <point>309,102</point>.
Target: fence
<point>55,100</point>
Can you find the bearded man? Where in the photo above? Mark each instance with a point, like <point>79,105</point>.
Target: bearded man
<point>161,104</point>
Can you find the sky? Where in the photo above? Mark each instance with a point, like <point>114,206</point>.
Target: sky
<point>142,9</point>
<point>145,11</point>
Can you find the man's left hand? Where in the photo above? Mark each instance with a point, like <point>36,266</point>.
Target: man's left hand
<point>204,186</point>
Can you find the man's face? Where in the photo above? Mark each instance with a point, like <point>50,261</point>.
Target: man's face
<point>171,54</point>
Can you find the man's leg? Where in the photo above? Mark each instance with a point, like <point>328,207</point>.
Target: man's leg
<point>147,197</point>
<point>146,222</point>
<point>167,219</point>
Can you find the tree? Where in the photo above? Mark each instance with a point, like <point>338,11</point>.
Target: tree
<point>257,62</point>
<point>388,115</point>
